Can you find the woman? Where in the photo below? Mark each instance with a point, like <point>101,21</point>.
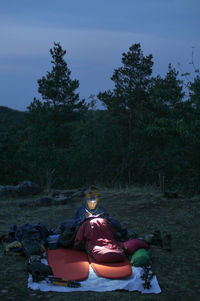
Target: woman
<point>97,233</point>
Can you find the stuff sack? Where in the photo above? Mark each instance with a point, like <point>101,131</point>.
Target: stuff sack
<point>140,258</point>
<point>132,245</point>
<point>32,247</point>
<point>14,248</point>
<point>39,271</point>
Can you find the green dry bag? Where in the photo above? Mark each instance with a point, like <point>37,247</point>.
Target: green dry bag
<point>140,258</point>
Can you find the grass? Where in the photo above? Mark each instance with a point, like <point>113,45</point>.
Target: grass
<point>140,209</point>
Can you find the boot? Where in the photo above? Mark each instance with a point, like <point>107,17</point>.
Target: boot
<point>157,239</point>
<point>148,238</point>
<point>167,239</point>
<point>153,238</point>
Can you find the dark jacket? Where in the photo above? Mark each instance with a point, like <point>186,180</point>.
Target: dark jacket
<point>72,225</point>
<point>81,212</point>
<point>33,231</point>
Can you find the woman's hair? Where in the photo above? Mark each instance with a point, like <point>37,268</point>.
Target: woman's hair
<point>91,192</point>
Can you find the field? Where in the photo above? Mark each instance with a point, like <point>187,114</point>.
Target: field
<point>141,210</point>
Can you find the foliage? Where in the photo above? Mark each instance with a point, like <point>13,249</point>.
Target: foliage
<point>52,119</point>
<point>127,104</point>
<point>150,125</point>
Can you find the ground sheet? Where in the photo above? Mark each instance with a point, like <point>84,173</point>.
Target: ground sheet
<point>100,284</point>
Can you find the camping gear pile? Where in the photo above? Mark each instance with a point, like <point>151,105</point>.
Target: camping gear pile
<point>33,240</point>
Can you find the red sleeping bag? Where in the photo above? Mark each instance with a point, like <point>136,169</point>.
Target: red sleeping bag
<point>99,236</point>
<point>134,244</point>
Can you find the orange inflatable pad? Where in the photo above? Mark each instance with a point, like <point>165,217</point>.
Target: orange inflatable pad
<point>68,264</point>
<point>114,270</point>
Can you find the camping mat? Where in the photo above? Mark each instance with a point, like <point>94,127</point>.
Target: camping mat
<point>99,284</point>
<point>68,264</point>
<point>113,270</point>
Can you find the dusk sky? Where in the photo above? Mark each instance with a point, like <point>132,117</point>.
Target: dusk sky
<point>94,33</point>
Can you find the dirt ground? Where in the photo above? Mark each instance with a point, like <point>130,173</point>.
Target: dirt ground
<point>141,210</point>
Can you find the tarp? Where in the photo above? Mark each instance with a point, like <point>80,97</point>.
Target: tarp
<point>99,284</point>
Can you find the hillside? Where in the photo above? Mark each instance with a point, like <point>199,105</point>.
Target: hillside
<point>10,117</point>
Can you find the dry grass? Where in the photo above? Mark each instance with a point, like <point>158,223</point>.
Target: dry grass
<point>139,209</point>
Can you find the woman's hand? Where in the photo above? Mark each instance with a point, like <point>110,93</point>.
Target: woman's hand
<point>88,214</point>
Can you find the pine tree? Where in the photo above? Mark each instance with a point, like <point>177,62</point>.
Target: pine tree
<point>54,117</point>
<point>57,88</point>
<point>127,103</point>
<point>131,81</point>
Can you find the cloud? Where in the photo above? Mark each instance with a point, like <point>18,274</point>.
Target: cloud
<point>27,41</point>
<point>83,45</point>
<point>92,54</point>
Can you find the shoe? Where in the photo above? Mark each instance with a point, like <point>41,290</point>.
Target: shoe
<point>148,238</point>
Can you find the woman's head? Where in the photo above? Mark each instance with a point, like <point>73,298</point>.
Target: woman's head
<point>91,197</point>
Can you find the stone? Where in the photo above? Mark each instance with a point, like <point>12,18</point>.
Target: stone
<point>4,291</point>
<point>23,189</point>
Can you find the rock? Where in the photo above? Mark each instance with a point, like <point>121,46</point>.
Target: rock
<point>171,194</point>
<point>28,188</point>
<point>8,190</point>
<point>23,189</point>
<point>33,295</point>
<point>4,291</point>
<point>44,201</point>
<point>68,194</point>
<point>126,223</point>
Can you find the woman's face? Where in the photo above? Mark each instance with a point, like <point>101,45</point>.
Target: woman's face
<point>92,203</point>
<point>91,198</point>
